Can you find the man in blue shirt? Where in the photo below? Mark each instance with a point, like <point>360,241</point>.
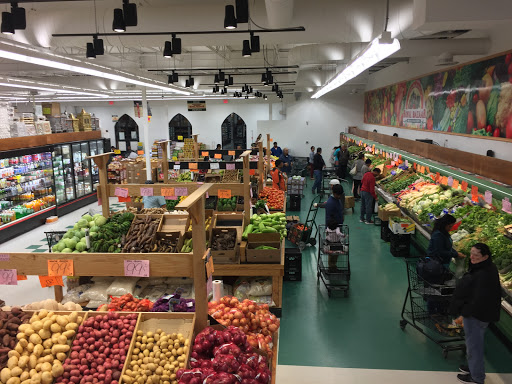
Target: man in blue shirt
<point>153,201</point>
<point>287,162</point>
<point>335,205</point>
<point>275,150</point>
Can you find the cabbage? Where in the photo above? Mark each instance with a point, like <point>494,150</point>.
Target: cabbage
<point>75,227</point>
<point>76,239</point>
<point>56,251</point>
<point>75,252</point>
<point>85,252</point>
<point>79,234</point>
<point>96,215</point>
<point>70,243</point>
<point>91,223</point>
<point>87,217</point>
<point>68,235</point>
<point>67,250</point>
<point>82,223</point>
<point>100,221</point>
<point>60,246</point>
<point>95,228</point>
<point>80,247</point>
<point>83,240</point>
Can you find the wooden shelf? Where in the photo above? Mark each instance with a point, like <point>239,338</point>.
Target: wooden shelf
<point>42,140</point>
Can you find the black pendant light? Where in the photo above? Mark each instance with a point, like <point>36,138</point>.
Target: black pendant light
<point>223,91</point>
<point>175,77</point>
<point>246,51</point>
<point>216,79</point>
<point>265,97</point>
<point>99,48</point>
<point>242,11</point>
<point>229,17</point>
<point>170,79</point>
<point>176,45</point>
<point>217,88</point>
<point>191,81</point>
<point>226,82</point>
<point>167,49</point>
<point>250,90</point>
<point>129,14</point>
<point>255,43</point>
<point>270,78</point>
<point>214,90</point>
<point>222,75</point>
<point>90,54</point>
<point>263,78</point>
<point>230,78</point>
<point>187,83</point>
<point>19,17</point>
<point>7,27</point>
<point>118,25</point>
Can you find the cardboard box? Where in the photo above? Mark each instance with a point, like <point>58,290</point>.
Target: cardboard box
<point>230,220</point>
<point>386,215</point>
<point>171,236</point>
<point>174,223</point>
<point>229,256</point>
<point>401,228</point>
<point>263,255</point>
<point>350,202</point>
<point>51,109</point>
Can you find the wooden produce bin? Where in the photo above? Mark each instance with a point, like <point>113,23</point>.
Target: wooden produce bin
<point>231,220</point>
<point>386,215</point>
<point>174,223</point>
<point>171,236</point>
<point>229,256</point>
<point>255,240</point>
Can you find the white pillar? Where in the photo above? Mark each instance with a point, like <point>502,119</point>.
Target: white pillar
<point>145,129</point>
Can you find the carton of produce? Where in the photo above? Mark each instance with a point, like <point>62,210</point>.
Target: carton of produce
<point>263,248</point>
<point>387,211</point>
<point>231,220</point>
<point>224,246</point>
<point>178,222</point>
<point>401,226</point>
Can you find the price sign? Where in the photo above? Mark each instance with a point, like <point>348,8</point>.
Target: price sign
<point>438,176</point>
<point>124,199</point>
<point>455,184</point>
<point>415,166</point>
<point>393,163</point>
<point>50,281</point>
<point>474,190</point>
<point>488,197</point>
<point>180,137</point>
<point>231,153</point>
<point>224,193</point>
<point>450,181</point>
<point>407,163</point>
<point>218,156</point>
<point>214,166</point>
<point>192,165</point>
<point>444,180</point>
<point>140,152</point>
<point>8,277</point>
<point>230,166</point>
<point>60,267</point>
<point>422,169</point>
<point>139,268</point>
<point>205,153</point>
<point>428,170</point>
<point>121,192</point>
<point>117,151</point>
<point>167,191</point>
<point>252,172</point>
<point>181,191</point>
<point>21,277</point>
<point>4,257</point>
<point>177,167</point>
<point>464,185</point>
<point>146,191</point>
<point>506,206</point>
<point>171,198</point>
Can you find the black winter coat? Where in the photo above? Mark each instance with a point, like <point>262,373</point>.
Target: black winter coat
<point>478,293</point>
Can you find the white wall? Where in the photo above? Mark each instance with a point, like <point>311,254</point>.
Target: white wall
<point>422,65</point>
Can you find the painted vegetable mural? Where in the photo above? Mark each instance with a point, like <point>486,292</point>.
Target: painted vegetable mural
<point>474,99</point>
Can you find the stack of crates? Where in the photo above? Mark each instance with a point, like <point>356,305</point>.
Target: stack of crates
<point>385,232</point>
<point>292,264</point>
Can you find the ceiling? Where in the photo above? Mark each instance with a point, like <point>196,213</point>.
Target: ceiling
<point>335,31</point>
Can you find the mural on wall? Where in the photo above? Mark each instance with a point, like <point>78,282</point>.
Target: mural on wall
<point>474,99</point>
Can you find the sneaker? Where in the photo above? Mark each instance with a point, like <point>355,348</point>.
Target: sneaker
<point>361,221</point>
<point>464,369</point>
<point>370,222</point>
<point>466,378</point>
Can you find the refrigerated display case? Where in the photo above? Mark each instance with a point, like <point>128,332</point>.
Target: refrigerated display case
<point>81,167</point>
<point>63,173</point>
<point>96,148</point>
<point>26,186</point>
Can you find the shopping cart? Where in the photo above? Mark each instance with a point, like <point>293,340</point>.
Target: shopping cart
<point>301,234</point>
<point>53,238</point>
<point>333,266</point>
<point>426,309</point>
<point>329,174</point>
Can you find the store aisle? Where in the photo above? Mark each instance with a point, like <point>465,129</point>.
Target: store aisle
<point>362,331</point>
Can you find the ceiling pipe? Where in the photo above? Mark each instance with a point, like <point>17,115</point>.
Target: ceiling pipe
<point>279,12</point>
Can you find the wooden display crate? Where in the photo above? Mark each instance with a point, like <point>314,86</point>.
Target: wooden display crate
<point>170,235</point>
<point>229,256</point>
<point>263,255</point>
<point>231,220</point>
<point>208,214</point>
<point>386,215</point>
<point>174,223</point>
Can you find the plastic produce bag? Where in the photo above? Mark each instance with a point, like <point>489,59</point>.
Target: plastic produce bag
<point>122,285</point>
<point>140,287</point>
<point>154,292</point>
<point>260,287</point>
<point>96,303</point>
<point>75,295</point>
<point>241,288</point>
<point>178,281</point>
<point>98,292</point>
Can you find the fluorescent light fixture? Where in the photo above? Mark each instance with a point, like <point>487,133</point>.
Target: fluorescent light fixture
<point>20,83</point>
<point>31,55</point>
<point>377,50</point>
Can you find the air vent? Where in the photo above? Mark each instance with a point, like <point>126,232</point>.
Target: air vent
<point>443,35</point>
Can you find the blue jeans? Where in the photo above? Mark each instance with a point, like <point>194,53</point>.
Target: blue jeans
<point>366,206</point>
<point>474,330</point>
<point>318,180</point>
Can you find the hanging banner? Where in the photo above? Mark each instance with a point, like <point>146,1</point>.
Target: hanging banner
<point>471,99</point>
<point>196,105</point>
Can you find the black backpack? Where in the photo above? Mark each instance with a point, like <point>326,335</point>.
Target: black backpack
<point>431,270</point>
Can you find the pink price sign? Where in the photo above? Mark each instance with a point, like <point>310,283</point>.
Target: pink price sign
<point>450,181</point>
<point>145,191</point>
<point>230,166</point>
<point>121,192</point>
<point>8,277</point>
<point>488,197</point>
<point>138,268</point>
<point>506,206</point>
<point>181,191</point>
<point>4,257</point>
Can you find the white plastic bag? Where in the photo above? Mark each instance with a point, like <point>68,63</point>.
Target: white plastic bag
<point>75,295</point>
<point>122,286</point>
<point>96,303</point>
<point>260,287</point>
<point>97,292</point>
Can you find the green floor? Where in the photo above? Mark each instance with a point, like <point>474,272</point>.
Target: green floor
<point>362,331</point>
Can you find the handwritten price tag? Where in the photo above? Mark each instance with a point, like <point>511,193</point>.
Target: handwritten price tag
<point>488,197</point>
<point>60,268</point>
<point>192,165</point>
<point>121,192</point>
<point>506,206</point>
<point>464,185</point>
<point>444,180</point>
<point>218,156</point>
<point>8,277</point>
<point>205,153</point>
<point>455,184</point>
<point>428,170</point>
<point>224,193</point>
<point>146,191</point>
<point>167,191</point>
<point>474,190</point>
<point>450,181</point>
<point>181,191</point>
<point>393,163</point>
<point>438,176</point>
<point>139,268</point>
<point>171,198</point>
<point>415,166</point>
<point>4,257</point>
<point>177,167</point>
<point>214,166</point>
<point>407,163</point>
<point>230,166</point>
<point>231,153</point>
<point>50,281</point>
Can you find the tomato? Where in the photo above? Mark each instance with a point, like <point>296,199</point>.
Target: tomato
<point>497,132</point>
<point>488,129</point>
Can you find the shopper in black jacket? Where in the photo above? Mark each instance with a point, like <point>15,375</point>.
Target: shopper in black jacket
<point>318,166</point>
<point>440,246</point>
<point>477,298</point>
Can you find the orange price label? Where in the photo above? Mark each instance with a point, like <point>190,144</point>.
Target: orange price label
<point>444,180</point>
<point>21,277</point>
<point>415,166</point>
<point>428,170</point>
<point>50,281</point>
<point>60,267</point>
<point>438,176</point>
<point>218,156</point>
<point>231,153</point>
<point>140,152</point>
<point>455,184</point>
<point>422,169</point>
<point>205,154</point>
<point>192,165</point>
<point>167,191</point>
<point>224,193</point>
<point>474,190</point>
<point>464,186</point>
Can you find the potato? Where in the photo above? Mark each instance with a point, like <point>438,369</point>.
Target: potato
<point>48,343</point>
<point>34,318</point>
<point>71,327</point>
<point>36,379</point>
<point>16,372</point>
<point>32,361</point>
<point>47,324</point>
<point>23,361</point>
<point>48,358</point>
<point>46,367</point>
<point>62,321</point>
<point>38,350</point>
<point>30,347</point>
<point>14,380</point>
<point>127,379</point>
<point>35,339</point>
<point>21,336</point>
<point>24,376</point>
<point>73,317</point>
<point>12,362</point>
<point>29,331</point>
<point>23,327</point>
<point>14,353</point>
<point>46,378</point>
<point>62,339</point>
<point>37,325</point>
<point>5,375</point>
<point>55,337</point>
<point>44,334</point>
<point>55,328</point>
<point>23,343</point>
<point>69,334</point>
<point>61,356</point>
<point>60,348</point>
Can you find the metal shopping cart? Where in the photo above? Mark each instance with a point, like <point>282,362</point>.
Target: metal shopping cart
<point>302,234</point>
<point>426,309</point>
<point>53,238</point>
<point>333,266</point>
<point>329,174</point>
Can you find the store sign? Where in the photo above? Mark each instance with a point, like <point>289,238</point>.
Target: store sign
<point>196,105</point>
<point>115,118</point>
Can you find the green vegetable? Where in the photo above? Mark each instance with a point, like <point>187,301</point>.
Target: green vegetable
<point>82,223</point>
<point>265,247</point>
<point>87,217</point>
<point>492,104</point>
<point>100,221</point>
